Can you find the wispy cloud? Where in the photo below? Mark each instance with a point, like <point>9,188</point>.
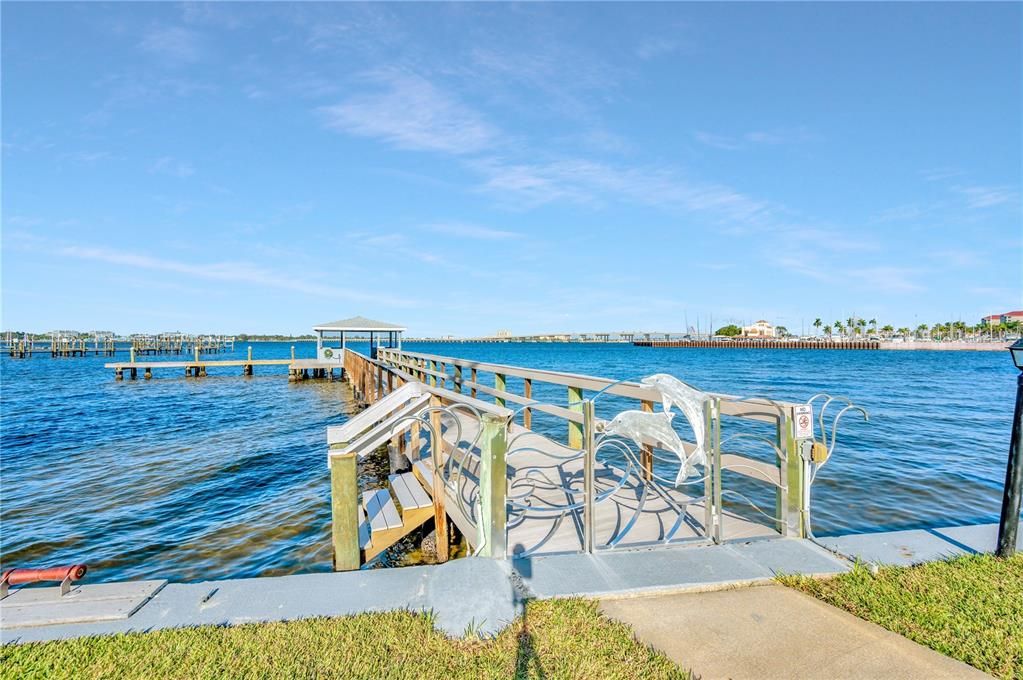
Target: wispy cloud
<point>652,47</point>
<point>86,157</point>
<point>957,257</point>
<point>173,43</point>
<point>883,278</point>
<point>472,231</point>
<point>411,113</point>
<point>238,272</point>
<point>588,181</point>
<point>940,173</point>
<point>987,196</point>
<point>753,138</point>
<point>717,141</point>
<point>173,167</point>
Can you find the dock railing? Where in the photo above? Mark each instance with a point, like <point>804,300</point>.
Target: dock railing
<point>775,457</point>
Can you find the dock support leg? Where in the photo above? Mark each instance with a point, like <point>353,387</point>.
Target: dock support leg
<point>202,371</point>
<point>440,515</point>
<point>647,452</point>
<point>134,374</point>
<point>118,374</point>
<point>148,375</point>
<point>344,509</point>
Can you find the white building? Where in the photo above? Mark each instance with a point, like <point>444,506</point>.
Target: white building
<point>761,329</point>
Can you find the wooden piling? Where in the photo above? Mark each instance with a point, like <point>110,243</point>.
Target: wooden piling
<point>575,430</point>
<point>647,451</point>
<point>344,511</point>
<point>440,515</point>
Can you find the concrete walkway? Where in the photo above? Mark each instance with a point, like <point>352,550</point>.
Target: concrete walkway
<point>776,632</point>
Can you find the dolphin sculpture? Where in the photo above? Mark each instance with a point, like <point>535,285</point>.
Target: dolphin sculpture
<point>640,427</point>
<point>688,400</point>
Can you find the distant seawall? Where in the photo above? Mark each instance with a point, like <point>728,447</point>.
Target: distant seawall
<point>746,343</point>
<point>827,344</point>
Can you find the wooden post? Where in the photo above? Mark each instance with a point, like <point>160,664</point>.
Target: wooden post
<point>457,380</point>
<point>575,430</point>
<point>500,383</point>
<point>197,353</point>
<point>440,515</point>
<point>132,357</point>
<point>344,512</point>
<point>292,352</point>
<point>493,540</point>
<point>647,451</point>
<point>472,379</point>
<point>527,413</point>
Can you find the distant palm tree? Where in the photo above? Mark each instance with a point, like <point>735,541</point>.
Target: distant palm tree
<point>873,325</point>
<point>920,330</point>
<point>904,332</point>
<point>886,330</point>
<point>862,325</point>
<point>839,328</point>
<point>827,331</point>
<point>817,323</point>
<point>850,325</point>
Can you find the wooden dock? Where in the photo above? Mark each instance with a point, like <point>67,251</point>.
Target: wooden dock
<point>510,490</point>
<point>298,369</point>
<point>68,344</point>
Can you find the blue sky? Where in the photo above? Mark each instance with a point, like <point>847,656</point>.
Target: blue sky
<point>538,168</point>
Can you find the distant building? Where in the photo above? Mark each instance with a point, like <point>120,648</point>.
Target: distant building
<point>1007,317</point>
<point>502,334</point>
<point>761,329</point>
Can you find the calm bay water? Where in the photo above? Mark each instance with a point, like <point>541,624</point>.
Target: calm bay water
<point>226,476</point>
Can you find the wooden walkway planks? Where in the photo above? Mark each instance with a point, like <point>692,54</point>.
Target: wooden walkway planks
<point>539,479</point>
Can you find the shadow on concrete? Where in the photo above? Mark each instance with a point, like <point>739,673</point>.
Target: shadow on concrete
<point>527,661</point>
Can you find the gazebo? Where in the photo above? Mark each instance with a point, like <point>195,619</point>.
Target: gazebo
<point>332,336</point>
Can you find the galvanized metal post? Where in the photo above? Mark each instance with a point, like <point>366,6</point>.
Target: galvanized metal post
<point>719,512</point>
<point>1008,523</point>
<point>493,540</point>
<point>708,480</point>
<point>795,478</point>
<point>589,488</point>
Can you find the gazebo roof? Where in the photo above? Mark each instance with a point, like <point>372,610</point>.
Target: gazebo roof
<point>359,324</point>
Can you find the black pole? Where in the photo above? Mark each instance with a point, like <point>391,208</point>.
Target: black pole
<point>1009,522</point>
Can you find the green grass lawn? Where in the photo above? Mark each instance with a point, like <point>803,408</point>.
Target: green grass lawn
<point>555,639</point>
<point>969,608</point>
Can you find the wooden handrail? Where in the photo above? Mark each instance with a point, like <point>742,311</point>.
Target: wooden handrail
<point>755,408</point>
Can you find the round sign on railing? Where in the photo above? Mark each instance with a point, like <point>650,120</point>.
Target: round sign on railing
<point>328,353</point>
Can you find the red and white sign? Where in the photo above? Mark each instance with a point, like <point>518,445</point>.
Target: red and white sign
<point>804,421</point>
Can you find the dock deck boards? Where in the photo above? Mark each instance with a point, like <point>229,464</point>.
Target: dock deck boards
<point>541,528</point>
